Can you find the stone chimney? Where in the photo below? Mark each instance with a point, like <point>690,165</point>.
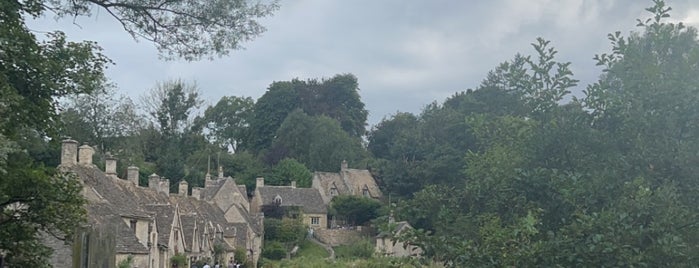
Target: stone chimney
<point>69,152</point>
<point>110,166</point>
<point>154,181</point>
<point>164,186</point>
<point>85,153</point>
<point>293,184</point>
<point>196,192</point>
<point>343,166</point>
<point>220,172</point>
<point>260,182</point>
<point>183,188</point>
<point>132,174</point>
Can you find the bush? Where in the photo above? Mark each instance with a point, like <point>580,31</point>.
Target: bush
<point>274,251</point>
<point>178,260</point>
<point>362,250</point>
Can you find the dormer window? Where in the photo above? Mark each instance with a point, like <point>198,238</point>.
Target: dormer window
<point>133,225</point>
<point>333,191</point>
<point>278,200</point>
<point>365,191</point>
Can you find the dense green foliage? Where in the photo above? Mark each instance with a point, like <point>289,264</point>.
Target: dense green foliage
<point>355,210</point>
<point>608,180</point>
<point>507,174</point>
<point>363,249</point>
<point>37,200</point>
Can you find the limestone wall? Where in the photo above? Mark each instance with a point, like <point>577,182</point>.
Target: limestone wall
<point>337,237</point>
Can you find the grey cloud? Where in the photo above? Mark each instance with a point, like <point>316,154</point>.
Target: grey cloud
<point>405,53</point>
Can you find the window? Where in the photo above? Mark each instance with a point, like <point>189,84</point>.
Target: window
<point>133,225</point>
<point>278,200</point>
<point>333,191</point>
<point>315,220</point>
<point>365,191</point>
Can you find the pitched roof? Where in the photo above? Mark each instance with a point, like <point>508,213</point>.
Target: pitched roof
<point>164,214</point>
<point>201,210</point>
<point>188,224</point>
<point>358,179</point>
<point>127,241</point>
<point>308,199</point>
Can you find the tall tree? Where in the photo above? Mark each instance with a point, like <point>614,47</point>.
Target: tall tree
<point>101,118</point>
<point>33,74</point>
<point>183,29</point>
<point>227,122</point>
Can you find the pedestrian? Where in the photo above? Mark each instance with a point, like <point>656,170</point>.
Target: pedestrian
<point>206,265</point>
<point>231,264</point>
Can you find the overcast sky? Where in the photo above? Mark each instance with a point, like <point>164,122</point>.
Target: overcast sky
<point>406,53</point>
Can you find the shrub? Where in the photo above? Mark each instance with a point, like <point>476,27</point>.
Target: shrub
<point>274,251</point>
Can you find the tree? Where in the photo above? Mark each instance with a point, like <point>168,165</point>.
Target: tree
<point>170,104</point>
<point>610,181</point>
<point>269,112</point>
<point>337,98</point>
<point>184,29</point>
<point>288,170</point>
<point>357,210</point>
<point>316,141</point>
<point>101,119</point>
<point>36,200</point>
<point>227,122</point>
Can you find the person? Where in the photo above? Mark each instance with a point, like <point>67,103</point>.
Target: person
<point>206,265</point>
<point>217,265</point>
<point>231,264</point>
<point>237,265</point>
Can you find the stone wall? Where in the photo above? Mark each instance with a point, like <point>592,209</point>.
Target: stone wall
<point>337,237</point>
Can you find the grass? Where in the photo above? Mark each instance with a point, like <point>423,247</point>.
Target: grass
<point>311,250</point>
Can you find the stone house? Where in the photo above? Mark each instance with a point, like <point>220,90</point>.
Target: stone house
<point>308,200</point>
<point>348,181</point>
<point>388,245</point>
<point>149,224</point>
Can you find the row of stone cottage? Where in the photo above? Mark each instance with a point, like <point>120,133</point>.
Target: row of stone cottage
<point>151,225</point>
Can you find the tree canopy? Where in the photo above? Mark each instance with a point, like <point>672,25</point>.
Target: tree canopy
<point>179,29</point>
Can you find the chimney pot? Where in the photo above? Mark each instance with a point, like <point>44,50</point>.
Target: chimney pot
<point>196,193</point>
<point>154,181</point>
<point>164,186</point>
<point>183,188</point>
<point>85,153</point>
<point>110,165</point>
<point>69,152</point>
<point>132,174</point>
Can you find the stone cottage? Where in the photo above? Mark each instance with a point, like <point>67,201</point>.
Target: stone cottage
<point>308,200</point>
<point>388,245</point>
<point>149,224</point>
<point>348,181</point>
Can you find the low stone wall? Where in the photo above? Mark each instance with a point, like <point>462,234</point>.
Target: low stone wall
<point>337,237</point>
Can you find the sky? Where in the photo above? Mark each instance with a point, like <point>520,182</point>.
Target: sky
<point>405,53</point>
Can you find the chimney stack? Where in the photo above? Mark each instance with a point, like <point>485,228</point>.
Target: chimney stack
<point>220,172</point>
<point>132,174</point>
<point>183,188</point>
<point>293,184</point>
<point>69,152</point>
<point>154,181</point>
<point>110,166</point>
<point>164,186</point>
<point>196,193</point>
<point>260,182</point>
<point>343,166</point>
<point>85,153</point>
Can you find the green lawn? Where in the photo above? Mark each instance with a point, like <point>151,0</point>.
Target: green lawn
<point>311,250</point>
